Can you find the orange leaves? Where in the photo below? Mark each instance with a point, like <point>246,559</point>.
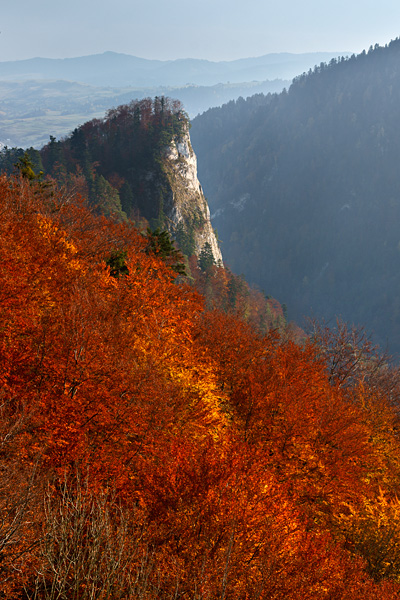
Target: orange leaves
<point>106,357</point>
<point>280,400</point>
<point>251,473</point>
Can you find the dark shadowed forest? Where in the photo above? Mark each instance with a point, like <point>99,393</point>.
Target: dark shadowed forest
<point>304,187</point>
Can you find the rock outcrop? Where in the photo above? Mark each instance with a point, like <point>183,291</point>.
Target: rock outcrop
<point>186,212</point>
<point>138,163</point>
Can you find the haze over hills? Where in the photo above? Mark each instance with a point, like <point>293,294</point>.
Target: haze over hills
<point>305,190</point>
<point>32,110</point>
<point>116,70</point>
<point>41,97</point>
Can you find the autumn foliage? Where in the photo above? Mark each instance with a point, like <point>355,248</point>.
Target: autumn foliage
<point>153,448</point>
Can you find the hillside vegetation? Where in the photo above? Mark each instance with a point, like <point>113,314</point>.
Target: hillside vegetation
<point>305,190</point>
<point>151,448</point>
<point>122,164</point>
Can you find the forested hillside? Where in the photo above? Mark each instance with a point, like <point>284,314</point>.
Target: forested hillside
<point>117,162</point>
<point>136,164</point>
<point>151,448</point>
<point>305,190</point>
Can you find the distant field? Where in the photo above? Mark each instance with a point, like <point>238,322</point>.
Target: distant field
<point>36,131</point>
<point>32,111</point>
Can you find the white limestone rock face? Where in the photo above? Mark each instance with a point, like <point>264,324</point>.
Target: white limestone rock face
<point>185,208</point>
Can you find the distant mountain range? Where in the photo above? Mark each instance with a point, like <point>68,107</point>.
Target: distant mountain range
<point>115,70</point>
<point>40,97</point>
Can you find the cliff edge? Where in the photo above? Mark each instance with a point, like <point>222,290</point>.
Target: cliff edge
<point>187,215</point>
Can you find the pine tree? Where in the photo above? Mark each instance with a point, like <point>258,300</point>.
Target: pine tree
<point>206,258</point>
<point>160,244</point>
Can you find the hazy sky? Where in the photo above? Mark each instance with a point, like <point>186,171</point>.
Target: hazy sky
<point>211,29</point>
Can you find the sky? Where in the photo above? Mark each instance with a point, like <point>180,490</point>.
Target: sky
<point>210,29</point>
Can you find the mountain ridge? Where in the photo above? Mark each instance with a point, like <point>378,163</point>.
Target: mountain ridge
<point>157,72</point>
<point>304,187</point>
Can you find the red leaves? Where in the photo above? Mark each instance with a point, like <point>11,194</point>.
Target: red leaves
<point>239,455</point>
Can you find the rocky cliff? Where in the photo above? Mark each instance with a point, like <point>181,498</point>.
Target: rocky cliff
<point>138,162</point>
<point>187,215</point>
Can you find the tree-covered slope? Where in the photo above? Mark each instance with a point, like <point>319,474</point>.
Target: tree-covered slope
<point>137,162</point>
<point>137,165</point>
<point>305,190</point>
<point>153,449</point>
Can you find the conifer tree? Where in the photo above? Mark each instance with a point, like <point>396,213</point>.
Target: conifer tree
<point>206,258</point>
<point>160,244</point>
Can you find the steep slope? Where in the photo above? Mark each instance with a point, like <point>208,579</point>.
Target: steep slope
<point>186,209</point>
<point>153,449</point>
<point>138,165</point>
<point>305,186</point>
<point>139,162</point>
